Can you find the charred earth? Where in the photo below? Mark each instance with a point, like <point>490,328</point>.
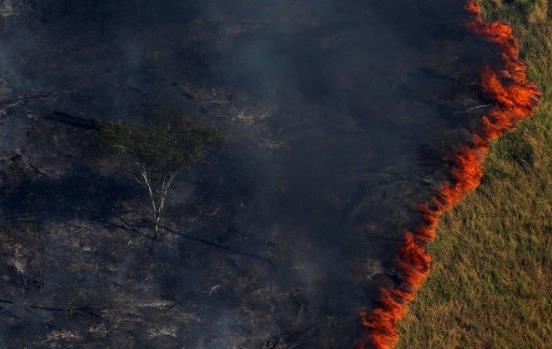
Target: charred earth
<point>335,116</point>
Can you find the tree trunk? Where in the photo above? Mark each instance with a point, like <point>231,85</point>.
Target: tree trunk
<point>157,197</point>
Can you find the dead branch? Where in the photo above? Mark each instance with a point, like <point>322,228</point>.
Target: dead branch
<point>57,309</point>
<point>65,309</point>
<point>479,107</point>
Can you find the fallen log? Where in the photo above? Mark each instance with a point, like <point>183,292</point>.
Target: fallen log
<point>74,121</point>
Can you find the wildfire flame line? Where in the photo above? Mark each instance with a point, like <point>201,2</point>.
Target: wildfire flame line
<point>515,99</point>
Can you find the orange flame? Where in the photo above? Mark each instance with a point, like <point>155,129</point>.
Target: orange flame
<point>515,99</point>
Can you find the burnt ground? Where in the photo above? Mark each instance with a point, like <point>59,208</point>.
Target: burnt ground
<point>336,117</point>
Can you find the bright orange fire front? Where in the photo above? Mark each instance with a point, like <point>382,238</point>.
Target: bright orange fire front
<point>515,99</point>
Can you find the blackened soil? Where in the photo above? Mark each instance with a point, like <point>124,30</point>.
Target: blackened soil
<point>336,116</point>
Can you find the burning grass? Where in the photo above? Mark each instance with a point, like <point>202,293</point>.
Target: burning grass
<point>490,285</point>
<point>514,100</point>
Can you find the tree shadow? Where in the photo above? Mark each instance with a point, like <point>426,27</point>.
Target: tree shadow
<point>82,193</point>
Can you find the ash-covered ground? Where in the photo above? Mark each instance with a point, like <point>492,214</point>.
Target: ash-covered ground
<point>336,117</point>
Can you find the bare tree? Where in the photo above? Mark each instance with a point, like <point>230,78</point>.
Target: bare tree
<point>159,152</point>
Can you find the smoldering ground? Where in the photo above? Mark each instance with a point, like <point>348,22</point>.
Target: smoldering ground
<point>336,116</point>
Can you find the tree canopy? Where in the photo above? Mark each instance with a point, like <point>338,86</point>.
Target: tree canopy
<point>160,150</point>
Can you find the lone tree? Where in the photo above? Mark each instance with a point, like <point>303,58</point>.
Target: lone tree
<point>159,152</point>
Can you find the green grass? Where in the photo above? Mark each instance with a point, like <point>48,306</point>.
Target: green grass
<point>491,282</point>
